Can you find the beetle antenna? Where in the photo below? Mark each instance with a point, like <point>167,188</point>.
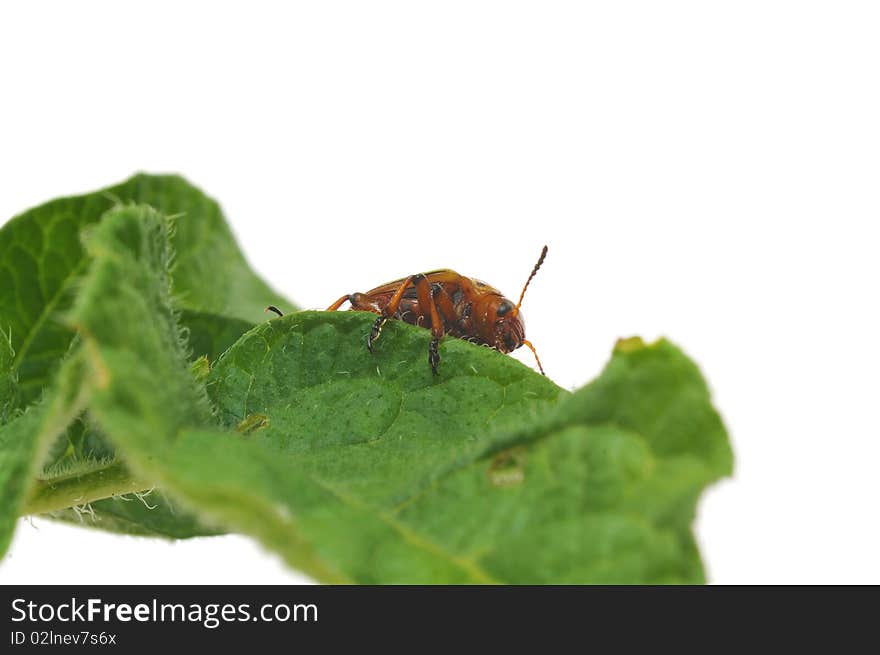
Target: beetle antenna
<point>534,270</point>
<point>528,343</point>
<point>273,308</point>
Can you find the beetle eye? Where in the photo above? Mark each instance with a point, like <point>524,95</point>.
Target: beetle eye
<point>504,308</point>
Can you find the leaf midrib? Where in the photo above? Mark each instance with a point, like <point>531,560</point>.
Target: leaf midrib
<point>469,566</point>
<point>47,310</point>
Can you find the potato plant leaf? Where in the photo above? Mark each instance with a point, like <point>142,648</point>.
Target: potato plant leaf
<point>41,259</point>
<point>369,469</point>
<point>25,439</point>
<point>355,467</point>
<point>41,265</point>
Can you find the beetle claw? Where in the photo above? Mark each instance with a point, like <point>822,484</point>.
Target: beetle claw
<point>434,356</point>
<point>374,333</point>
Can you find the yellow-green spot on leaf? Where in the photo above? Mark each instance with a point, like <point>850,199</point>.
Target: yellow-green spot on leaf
<point>629,345</point>
<point>252,423</point>
<point>201,368</point>
<point>507,468</point>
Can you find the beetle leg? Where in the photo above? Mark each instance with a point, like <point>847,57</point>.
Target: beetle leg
<point>389,310</point>
<point>426,294</point>
<point>445,306</point>
<point>528,343</point>
<point>338,303</point>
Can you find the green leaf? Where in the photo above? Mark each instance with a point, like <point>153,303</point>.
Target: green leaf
<point>125,314</point>
<point>89,464</point>
<point>130,278</point>
<point>82,457</point>
<point>369,469</point>
<point>25,439</point>
<point>360,467</point>
<point>129,235</point>
<point>79,470</point>
<point>383,424</point>
<point>41,258</point>
<point>82,442</point>
<point>600,488</point>
<point>17,453</point>
<point>210,335</point>
<point>152,515</point>
<point>8,379</point>
<point>606,482</point>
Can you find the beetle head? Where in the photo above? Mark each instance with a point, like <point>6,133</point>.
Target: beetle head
<point>510,328</point>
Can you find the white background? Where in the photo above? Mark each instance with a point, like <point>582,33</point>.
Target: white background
<point>701,170</point>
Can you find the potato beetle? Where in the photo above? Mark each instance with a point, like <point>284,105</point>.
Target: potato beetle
<point>446,303</point>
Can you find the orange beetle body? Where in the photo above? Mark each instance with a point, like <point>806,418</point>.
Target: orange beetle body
<point>468,309</point>
<point>446,303</point>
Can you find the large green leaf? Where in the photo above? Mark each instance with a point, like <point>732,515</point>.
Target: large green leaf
<point>369,469</point>
<point>41,261</point>
<point>83,452</point>
<point>600,488</point>
<point>25,438</point>
<point>8,379</point>
<point>41,258</point>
